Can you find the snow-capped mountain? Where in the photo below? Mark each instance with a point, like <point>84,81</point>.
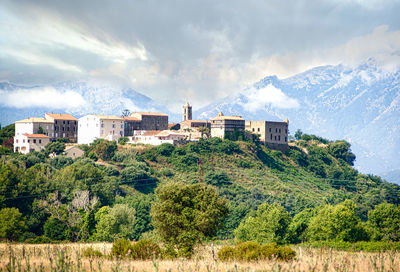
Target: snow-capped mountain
<point>77,98</point>
<point>361,105</point>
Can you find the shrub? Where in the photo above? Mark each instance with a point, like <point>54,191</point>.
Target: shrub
<point>123,140</point>
<point>90,253</point>
<point>145,250</point>
<point>226,254</point>
<point>253,251</point>
<point>39,240</point>
<point>54,229</point>
<point>120,248</point>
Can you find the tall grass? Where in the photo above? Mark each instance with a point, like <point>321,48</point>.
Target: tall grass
<point>71,257</point>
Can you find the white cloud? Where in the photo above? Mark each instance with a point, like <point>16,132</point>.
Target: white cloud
<point>258,99</point>
<point>41,97</point>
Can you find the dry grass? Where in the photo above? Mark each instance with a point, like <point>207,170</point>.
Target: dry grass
<point>68,257</point>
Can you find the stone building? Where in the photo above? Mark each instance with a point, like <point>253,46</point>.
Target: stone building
<point>221,125</point>
<point>188,123</point>
<point>65,126</point>
<point>131,125</point>
<point>35,125</point>
<point>92,127</point>
<point>272,134</point>
<point>151,120</point>
<point>73,152</point>
<point>25,143</point>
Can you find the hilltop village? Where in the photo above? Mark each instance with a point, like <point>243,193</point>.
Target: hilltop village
<point>151,128</point>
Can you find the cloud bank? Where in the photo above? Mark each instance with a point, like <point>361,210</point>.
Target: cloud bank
<point>41,97</point>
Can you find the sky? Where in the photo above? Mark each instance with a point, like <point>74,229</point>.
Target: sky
<point>173,51</point>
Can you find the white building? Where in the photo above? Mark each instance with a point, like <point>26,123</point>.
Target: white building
<point>156,137</point>
<point>25,143</point>
<point>32,126</point>
<point>92,127</point>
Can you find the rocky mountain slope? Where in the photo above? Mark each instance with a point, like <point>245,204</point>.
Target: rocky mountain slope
<point>361,105</point>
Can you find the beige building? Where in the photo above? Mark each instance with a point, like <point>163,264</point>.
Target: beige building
<point>156,137</point>
<point>65,125</point>
<point>73,152</point>
<point>188,123</point>
<point>26,143</point>
<point>187,112</point>
<point>272,134</point>
<point>92,127</point>
<point>221,125</point>
<point>34,125</point>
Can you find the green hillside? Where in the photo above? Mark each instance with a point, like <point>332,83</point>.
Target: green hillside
<point>62,199</point>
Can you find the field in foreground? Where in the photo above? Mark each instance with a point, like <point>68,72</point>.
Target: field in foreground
<point>68,257</point>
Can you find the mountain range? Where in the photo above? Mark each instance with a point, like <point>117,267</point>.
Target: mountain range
<point>359,104</point>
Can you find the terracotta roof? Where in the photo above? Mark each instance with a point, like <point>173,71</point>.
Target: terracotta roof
<point>131,118</point>
<point>35,120</point>
<point>36,136</point>
<point>61,116</point>
<point>151,133</point>
<point>149,113</point>
<point>172,124</point>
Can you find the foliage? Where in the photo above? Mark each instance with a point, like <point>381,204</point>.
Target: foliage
<point>12,224</point>
<point>123,140</point>
<point>253,251</point>
<point>90,253</point>
<point>115,223</point>
<point>341,150</point>
<point>270,224</point>
<point>54,147</point>
<point>339,222</point>
<point>185,214</point>
<point>120,248</point>
<point>54,229</point>
<point>104,149</point>
<point>60,162</point>
<point>6,132</point>
<point>384,222</point>
<point>145,250</point>
<point>377,246</point>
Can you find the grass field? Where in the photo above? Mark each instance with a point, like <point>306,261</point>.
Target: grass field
<point>68,257</point>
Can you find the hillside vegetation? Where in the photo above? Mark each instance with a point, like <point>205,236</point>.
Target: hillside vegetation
<point>109,193</point>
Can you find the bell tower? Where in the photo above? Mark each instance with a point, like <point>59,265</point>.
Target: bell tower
<point>187,112</point>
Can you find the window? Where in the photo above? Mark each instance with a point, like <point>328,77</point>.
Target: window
<point>75,122</point>
<point>258,129</point>
<point>68,122</point>
<point>16,141</point>
<point>56,121</point>
<point>63,128</point>
<point>276,130</point>
<point>286,131</point>
<point>34,141</point>
<point>275,138</point>
<point>63,135</point>
<point>67,128</point>
<point>29,141</point>
<point>253,129</point>
<point>64,122</point>
<point>122,126</point>
<point>113,125</point>
<point>269,129</point>
<point>271,136</point>
<point>285,139</point>
<point>279,130</point>
<point>279,137</point>
<point>40,141</point>
<point>102,125</point>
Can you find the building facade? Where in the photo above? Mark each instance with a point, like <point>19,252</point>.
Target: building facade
<point>221,125</point>
<point>151,120</point>
<point>272,134</point>
<point>131,125</point>
<point>25,143</point>
<point>195,124</point>
<point>34,125</point>
<point>65,126</point>
<point>73,152</point>
<point>92,127</point>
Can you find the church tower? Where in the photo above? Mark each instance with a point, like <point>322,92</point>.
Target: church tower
<point>187,112</point>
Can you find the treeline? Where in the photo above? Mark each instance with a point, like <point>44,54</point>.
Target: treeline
<point>308,193</point>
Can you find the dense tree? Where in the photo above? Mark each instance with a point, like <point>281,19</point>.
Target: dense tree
<point>55,229</point>
<point>115,223</point>
<point>185,214</point>
<point>384,222</point>
<point>341,150</point>
<point>339,222</point>
<point>12,224</point>
<point>270,224</point>
<point>54,147</point>
<point>104,149</point>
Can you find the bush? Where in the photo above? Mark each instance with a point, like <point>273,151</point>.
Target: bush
<point>120,248</point>
<point>253,251</point>
<point>90,253</point>
<point>54,229</point>
<point>123,140</point>
<point>226,254</point>
<point>39,240</point>
<point>145,250</point>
